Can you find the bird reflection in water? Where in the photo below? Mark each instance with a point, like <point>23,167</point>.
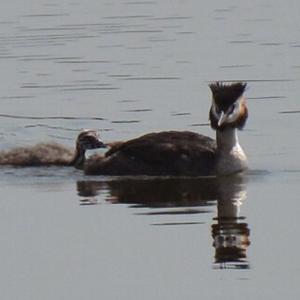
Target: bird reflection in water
<point>229,232</point>
<point>173,196</point>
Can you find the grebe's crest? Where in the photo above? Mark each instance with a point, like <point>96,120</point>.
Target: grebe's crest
<point>228,106</point>
<point>224,95</point>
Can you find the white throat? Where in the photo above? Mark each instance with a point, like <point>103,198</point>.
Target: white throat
<point>227,139</point>
<point>231,157</point>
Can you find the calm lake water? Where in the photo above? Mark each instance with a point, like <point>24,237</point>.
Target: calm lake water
<point>130,67</point>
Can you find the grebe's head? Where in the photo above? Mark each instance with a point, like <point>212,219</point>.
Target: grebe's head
<point>228,109</point>
<point>88,139</point>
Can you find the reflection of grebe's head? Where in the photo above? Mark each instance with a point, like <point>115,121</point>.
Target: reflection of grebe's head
<point>228,109</point>
<point>89,139</point>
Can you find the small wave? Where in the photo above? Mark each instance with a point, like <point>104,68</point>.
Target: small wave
<point>49,117</point>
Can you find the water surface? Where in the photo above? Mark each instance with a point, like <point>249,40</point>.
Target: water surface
<point>126,68</point>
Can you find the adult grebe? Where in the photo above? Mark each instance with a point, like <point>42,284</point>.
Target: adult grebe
<point>46,154</point>
<point>184,153</point>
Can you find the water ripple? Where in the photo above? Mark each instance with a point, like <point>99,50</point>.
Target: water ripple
<point>49,117</point>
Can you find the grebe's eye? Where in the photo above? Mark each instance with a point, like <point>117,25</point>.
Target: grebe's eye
<point>218,110</point>
<point>231,109</point>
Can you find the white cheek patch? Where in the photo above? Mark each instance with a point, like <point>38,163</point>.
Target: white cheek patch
<point>91,152</point>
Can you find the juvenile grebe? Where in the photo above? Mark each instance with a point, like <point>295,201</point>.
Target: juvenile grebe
<point>46,154</point>
<point>184,153</point>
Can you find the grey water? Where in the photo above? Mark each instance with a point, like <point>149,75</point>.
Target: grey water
<point>130,67</point>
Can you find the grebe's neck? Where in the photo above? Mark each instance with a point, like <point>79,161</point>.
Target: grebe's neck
<point>227,139</point>
<point>78,158</point>
<point>231,157</point>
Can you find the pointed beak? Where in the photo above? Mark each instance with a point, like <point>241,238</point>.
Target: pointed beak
<point>222,119</point>
<point>100,144</point>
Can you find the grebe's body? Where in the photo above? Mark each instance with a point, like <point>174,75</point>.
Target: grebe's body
<point>184,153</point>
<point>158,154</point>
<point>47,154</point>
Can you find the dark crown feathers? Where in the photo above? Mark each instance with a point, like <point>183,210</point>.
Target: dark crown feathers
<point>226,94</point>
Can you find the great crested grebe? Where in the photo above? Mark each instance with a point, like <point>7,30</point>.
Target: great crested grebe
<point>46,154</point>
<point>184,153</point>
